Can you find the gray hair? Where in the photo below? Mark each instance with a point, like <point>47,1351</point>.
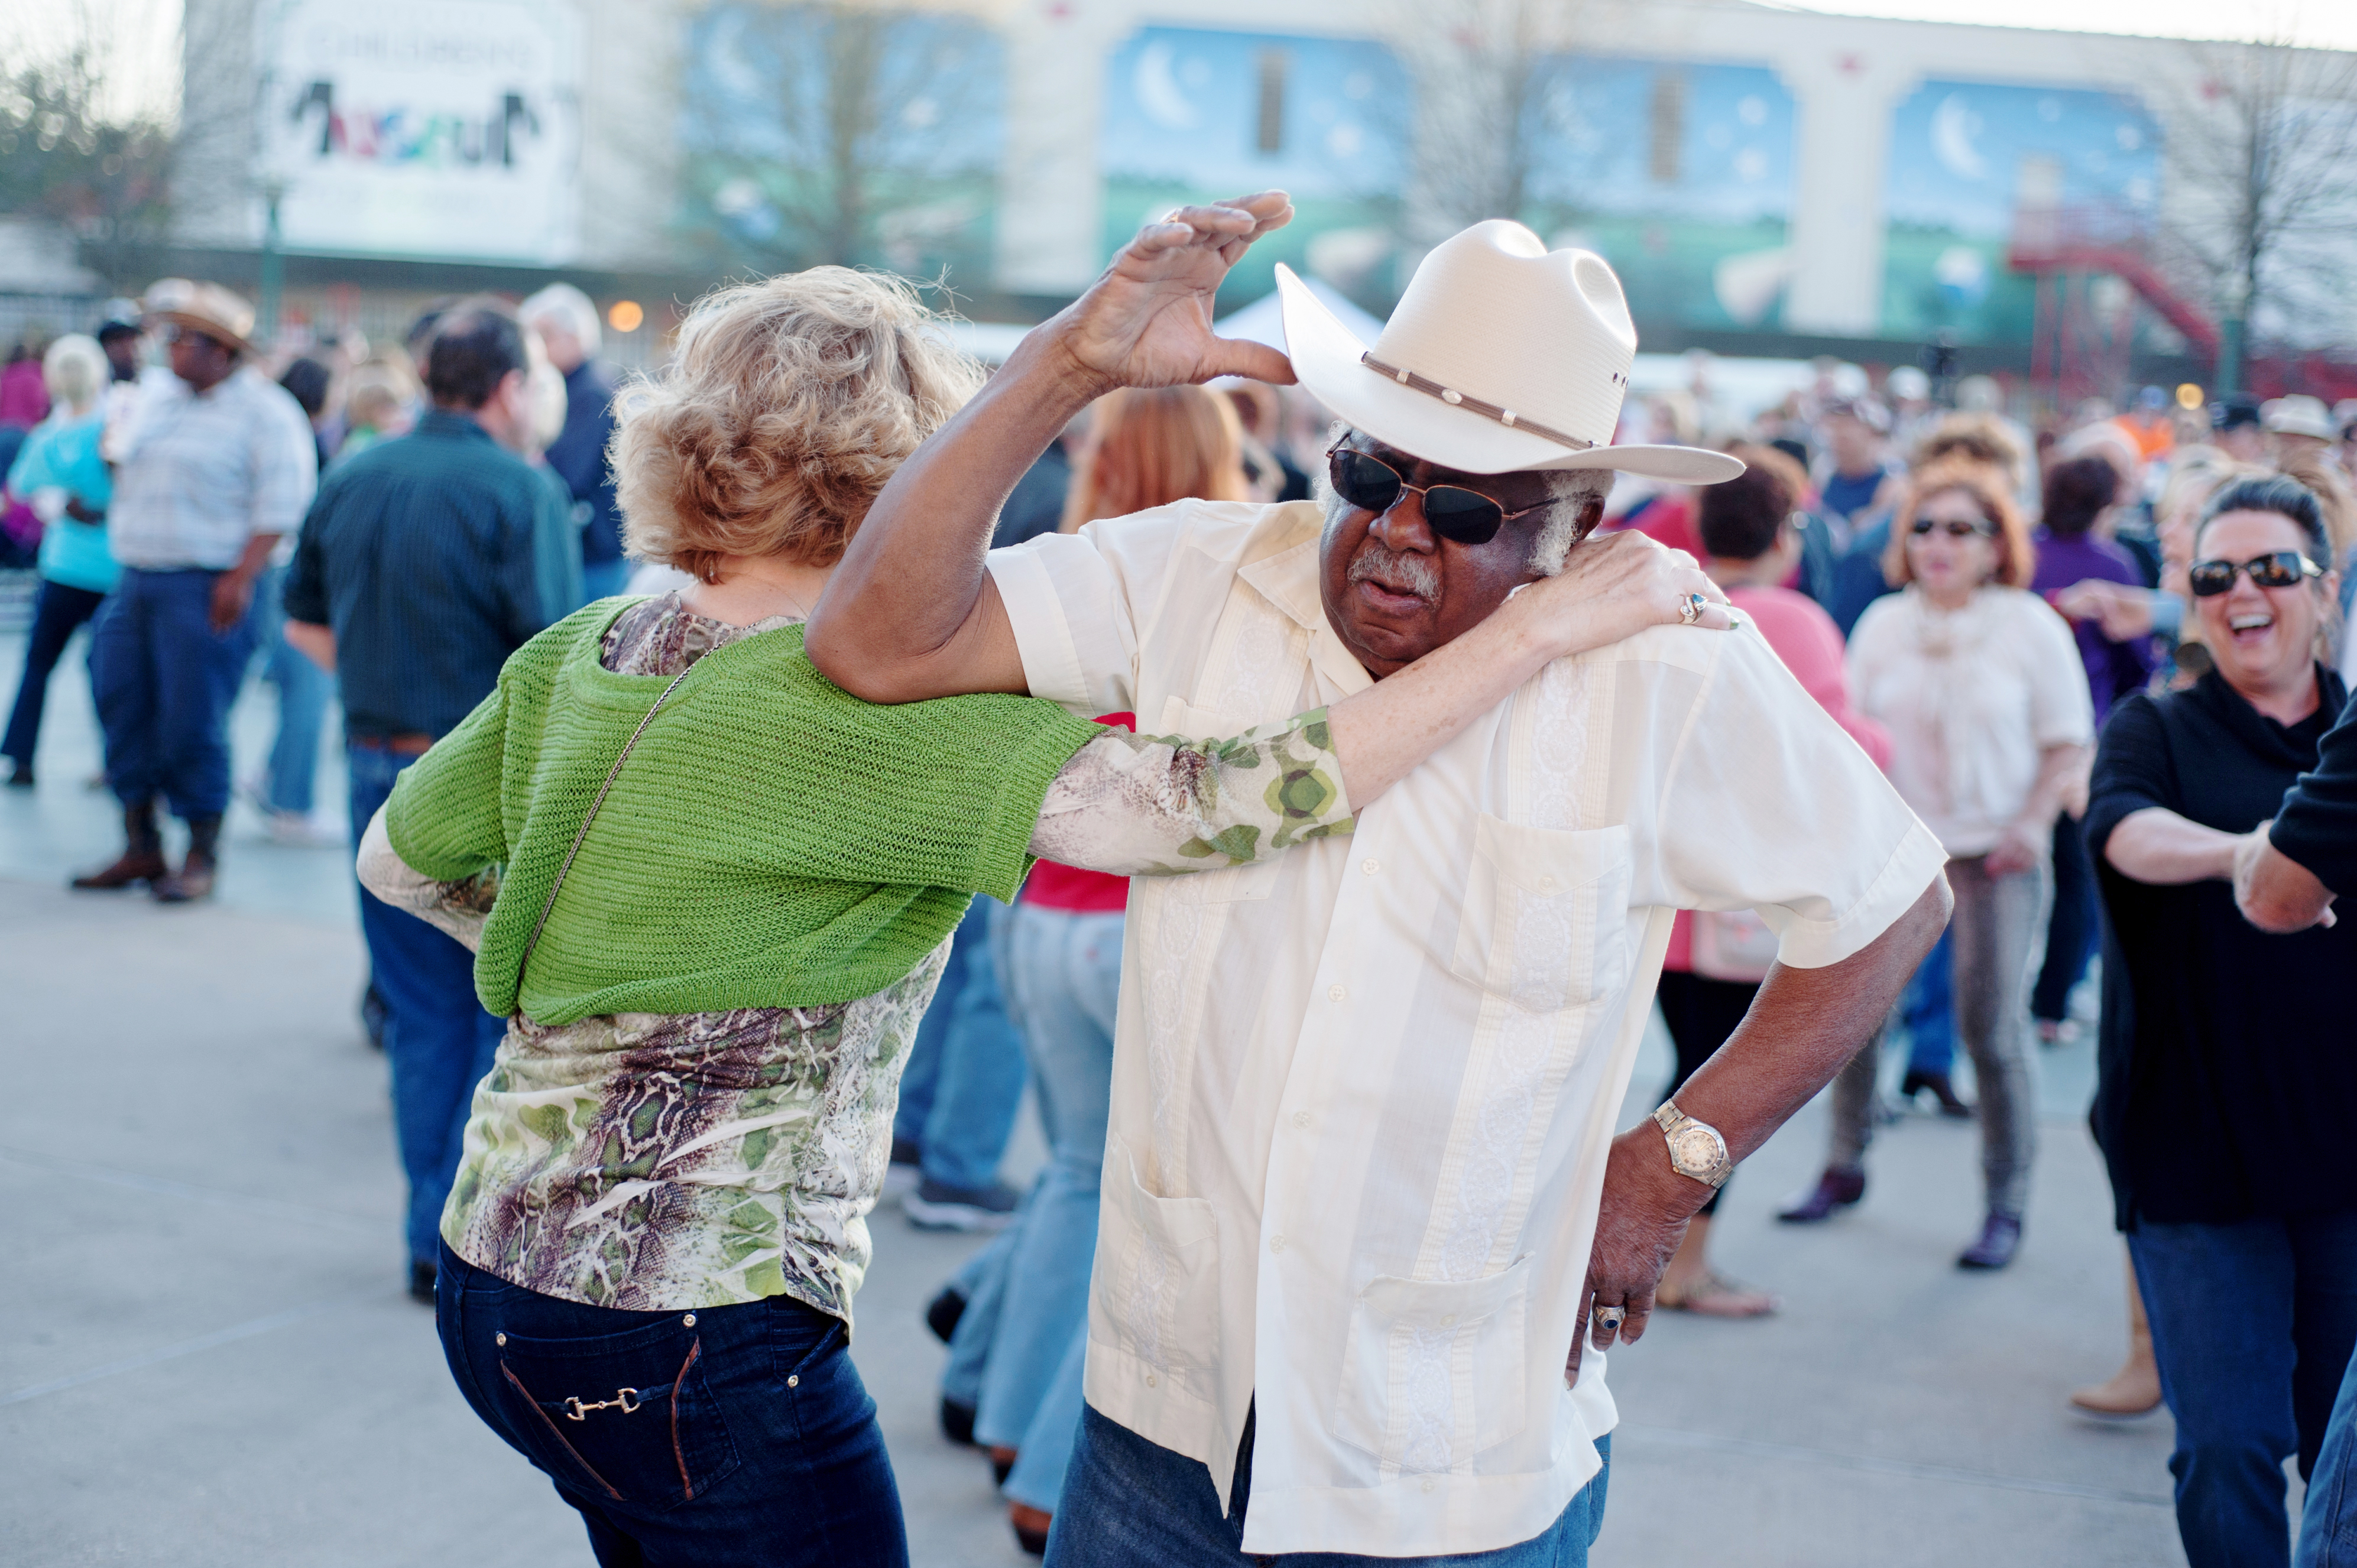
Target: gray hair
<point>1569,493</point>
<point>571,309</point>
<point>75,371</point>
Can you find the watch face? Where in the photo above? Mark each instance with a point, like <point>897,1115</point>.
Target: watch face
<point>1696,1149</point>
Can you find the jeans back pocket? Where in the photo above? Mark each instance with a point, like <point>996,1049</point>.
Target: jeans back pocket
<point>628,1417</point>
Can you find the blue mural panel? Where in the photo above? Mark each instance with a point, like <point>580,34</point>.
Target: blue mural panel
<point>918,100</point>
<point>1963,158</point>
<point>1192,114</point>
<point>1679,174</point>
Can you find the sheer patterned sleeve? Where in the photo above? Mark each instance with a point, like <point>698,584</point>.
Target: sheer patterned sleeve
<point>1157,805</point>
<point>458,908</point>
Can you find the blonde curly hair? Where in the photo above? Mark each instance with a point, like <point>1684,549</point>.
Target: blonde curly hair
<point>786,406</point>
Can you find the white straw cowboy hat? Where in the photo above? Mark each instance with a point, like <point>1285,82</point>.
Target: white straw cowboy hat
<point>2299,414</point>
<point>1502,356</point>
<point>205,307</point>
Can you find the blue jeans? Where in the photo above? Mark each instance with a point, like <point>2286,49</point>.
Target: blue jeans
<point>1136,1504</point>
<point>163,680</point>
<point>56,611</point>
<point>303,692</point>
<point>2328,1522</point>
<point>2252,1325</point>
<point>1928,1009</point>
<point>964,1078</point>
<point>438,1040</point>
<point>1063,975</point>
<point>751,1440</point>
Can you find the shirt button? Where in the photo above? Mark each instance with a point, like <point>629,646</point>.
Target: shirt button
<point>1370,866</point>
<point>1427,1483</point>
<point>500,1338</point>
<point>688,1322</point>
<point>1449,1321</point>
<point>1277,1243</point>
<point>1337,993</point>
<point>1301,1118</point>
<point>1151,1379</point>
<point>794,1382</point>
<point>1546,881</point>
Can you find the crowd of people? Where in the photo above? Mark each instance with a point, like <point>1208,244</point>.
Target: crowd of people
<point>762,769</point>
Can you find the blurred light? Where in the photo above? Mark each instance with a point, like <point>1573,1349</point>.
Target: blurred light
<point>625,315</point>
<point>2189,396</point>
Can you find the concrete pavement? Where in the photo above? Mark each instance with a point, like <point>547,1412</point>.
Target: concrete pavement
<point>209,1359</point>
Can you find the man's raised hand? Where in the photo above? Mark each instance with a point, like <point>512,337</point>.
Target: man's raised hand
<point>1148,321</point>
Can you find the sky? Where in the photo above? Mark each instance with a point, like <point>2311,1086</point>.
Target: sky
<point>144,32</point>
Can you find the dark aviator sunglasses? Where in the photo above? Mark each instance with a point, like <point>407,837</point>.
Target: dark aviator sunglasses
<point>1454,512</point>
<point>1954,527</point>
<point>2280,569</point>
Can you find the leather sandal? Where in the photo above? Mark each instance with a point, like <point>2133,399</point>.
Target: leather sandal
<point>1712,1295</point>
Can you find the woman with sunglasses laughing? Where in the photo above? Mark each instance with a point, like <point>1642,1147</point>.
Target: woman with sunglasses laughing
<point>2225,1058</point>
<point>1982,692</point>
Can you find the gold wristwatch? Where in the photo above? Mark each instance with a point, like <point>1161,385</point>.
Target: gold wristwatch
<point>1695,1148</point>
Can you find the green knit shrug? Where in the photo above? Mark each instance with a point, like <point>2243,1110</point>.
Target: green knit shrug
<point>772,841</point>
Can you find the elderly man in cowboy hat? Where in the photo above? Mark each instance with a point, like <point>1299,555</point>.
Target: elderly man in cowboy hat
<point>214,466</point>
<point>1363,1203</point>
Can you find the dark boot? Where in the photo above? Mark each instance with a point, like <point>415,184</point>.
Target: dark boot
<point>1836,1189</point>
<point>143,851</point>
<point>194,880</point>
<point>1941,1090</point>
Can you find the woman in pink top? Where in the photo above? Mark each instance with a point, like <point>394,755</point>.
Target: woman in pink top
<point>1753,546</point>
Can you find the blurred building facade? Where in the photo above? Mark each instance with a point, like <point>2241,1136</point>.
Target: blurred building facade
<point>1765,181</point>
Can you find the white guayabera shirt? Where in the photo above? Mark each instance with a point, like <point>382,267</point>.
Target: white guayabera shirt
<point>1363,1091</point>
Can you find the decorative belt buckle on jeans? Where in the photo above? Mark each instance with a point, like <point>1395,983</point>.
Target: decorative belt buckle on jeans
<point>626,1400</point>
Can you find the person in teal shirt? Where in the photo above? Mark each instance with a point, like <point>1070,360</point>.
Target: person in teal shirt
<point>59,473</point>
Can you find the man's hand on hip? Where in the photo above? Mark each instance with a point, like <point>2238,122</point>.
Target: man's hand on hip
<point>1146,322</point>
<point>1643,1217</point>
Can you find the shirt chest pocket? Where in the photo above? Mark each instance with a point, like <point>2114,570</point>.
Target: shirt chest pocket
<point>1545,924</point>
<point>1231,884</point>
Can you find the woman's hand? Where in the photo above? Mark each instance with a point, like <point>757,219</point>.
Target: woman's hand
<point>1614,585</point>
<point>2019,847</point>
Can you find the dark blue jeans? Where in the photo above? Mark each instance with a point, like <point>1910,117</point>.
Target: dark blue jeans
<point>1132,1503</point>
<point>2327,1521</point>
<point>964,1078</point>
<point>56,611</point>
<point>2252,1325</point>
<point>164,681</point>
<point>438,1041</point>
<point>724,1435</point>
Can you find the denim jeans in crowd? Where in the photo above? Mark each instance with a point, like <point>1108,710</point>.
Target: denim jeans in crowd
<point>1996,930</point>
<point>964,1078</point>
<point>57,611</point>
<point>438,1040</point>
<point>2252,1325</point>
<point>2327,1520</point>
<point>165,679</point>
<point>727,1436</point>
<point>1063,977</point>
<point>1136,1504</point>
<point>303,692</point>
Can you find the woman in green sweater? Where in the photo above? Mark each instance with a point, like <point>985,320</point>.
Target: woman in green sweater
<point>714,895</point>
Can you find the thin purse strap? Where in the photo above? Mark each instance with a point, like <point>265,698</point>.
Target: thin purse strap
<point>547,908</point>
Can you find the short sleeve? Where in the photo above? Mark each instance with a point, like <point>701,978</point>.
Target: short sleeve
<point>286,465</point>
<point>1075,601</point>
<point>2061,710</point>
<point>1769,805</point>
<point>444,819</point>
<point>2133,770</point>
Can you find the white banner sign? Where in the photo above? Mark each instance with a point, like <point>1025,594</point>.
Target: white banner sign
<point>424,128</point>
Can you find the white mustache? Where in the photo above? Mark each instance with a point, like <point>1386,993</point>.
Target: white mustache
<point>1379,562</point>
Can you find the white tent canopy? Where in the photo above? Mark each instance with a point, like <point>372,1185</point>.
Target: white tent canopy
<point>1262,321</point>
